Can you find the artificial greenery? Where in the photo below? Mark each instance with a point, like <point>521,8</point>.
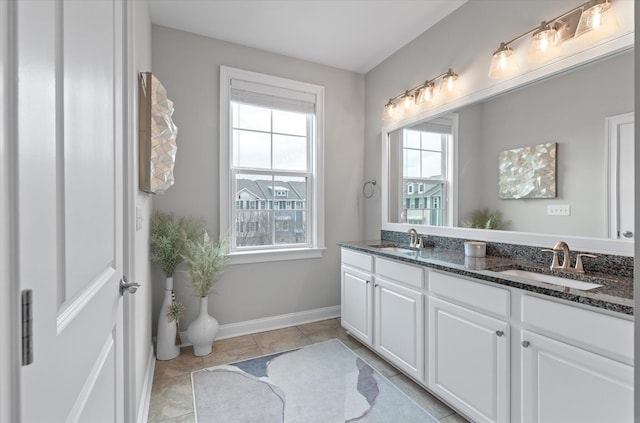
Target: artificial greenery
<point>169,235</point>
<point>206,261</point>
<point>485,219</point>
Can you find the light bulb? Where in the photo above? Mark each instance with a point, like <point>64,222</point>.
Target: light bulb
<point>545,44</point>
<point>389,110</point>
<point>407,100</point>
<point>503,63</point>
<point>425,93</point>
<point>599,21</point>
<point>448,87</point>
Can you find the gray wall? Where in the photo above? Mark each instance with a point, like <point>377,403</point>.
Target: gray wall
<point>569,109</point>
<point>143,298</point>
<point>460,41</point>
<point>188,66</point>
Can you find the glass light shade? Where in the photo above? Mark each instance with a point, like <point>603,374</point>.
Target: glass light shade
<point>597,22</point>
<point>503,63</point>
<point>425,94</point>
<point>545,44</point>
<point>390,111</point>
<point>407,101</point>
<point>449,87</point>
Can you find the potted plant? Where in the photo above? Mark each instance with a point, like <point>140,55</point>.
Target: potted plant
<point>169,234</point>
<point>485,219</point>
<point>206,261</point>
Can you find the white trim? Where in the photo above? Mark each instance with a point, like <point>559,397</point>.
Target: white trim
<point>316,212</point>
<point>609,48</point>
<point>271,323</point>
<point>145,399</point>
<point>9,287</point>
<point>612,162</point>
<point>264,256</point>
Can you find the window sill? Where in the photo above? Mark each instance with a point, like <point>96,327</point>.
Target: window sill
<point>274,255</point>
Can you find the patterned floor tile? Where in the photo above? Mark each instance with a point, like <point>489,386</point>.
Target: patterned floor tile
<point>280,340</point>
<point>170,398</point>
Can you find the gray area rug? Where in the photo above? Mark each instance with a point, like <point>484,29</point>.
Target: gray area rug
<point>320,383</point>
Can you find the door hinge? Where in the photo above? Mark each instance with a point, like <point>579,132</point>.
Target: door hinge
<point>27,327</point>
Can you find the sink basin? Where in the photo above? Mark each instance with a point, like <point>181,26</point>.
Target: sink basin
<point>397,250</point>
<point>541,277</point>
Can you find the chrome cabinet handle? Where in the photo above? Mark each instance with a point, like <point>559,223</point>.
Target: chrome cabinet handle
<point>627,234</point>
<point>525,343</point>
<point>499,333</point>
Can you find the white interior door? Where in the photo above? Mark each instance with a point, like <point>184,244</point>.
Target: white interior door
<point>70,206</point>
<point>621,176</point>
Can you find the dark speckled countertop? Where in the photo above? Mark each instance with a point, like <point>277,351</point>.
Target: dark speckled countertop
<point>616,294</point>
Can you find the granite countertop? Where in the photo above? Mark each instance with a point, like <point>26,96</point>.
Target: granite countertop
<point>616,294</point>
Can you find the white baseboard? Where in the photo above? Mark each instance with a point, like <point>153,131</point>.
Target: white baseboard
<point>145,399</point>
<point>271,323</point>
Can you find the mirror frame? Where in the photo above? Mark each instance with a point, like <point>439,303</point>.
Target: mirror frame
<point>599,52</point>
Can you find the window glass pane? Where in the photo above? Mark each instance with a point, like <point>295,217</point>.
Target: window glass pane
<point>291,227</point>
<point>431,164</point>
<point>251,149</point>
<point>251,117</point>
<point>253,228</point>
<point>411,163</point>
<point>289,152</point>
<point>411,139</point>
<point>289,123</point>
<point>431,141</point>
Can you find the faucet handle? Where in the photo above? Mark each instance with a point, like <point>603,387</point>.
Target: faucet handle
<point>555,264</point>
<point>579,267</point>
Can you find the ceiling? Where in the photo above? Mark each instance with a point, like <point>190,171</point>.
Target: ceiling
<point>355,35</point>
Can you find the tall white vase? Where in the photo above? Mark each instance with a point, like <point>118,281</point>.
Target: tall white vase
<point>203,330</point>
<point>166,347</point>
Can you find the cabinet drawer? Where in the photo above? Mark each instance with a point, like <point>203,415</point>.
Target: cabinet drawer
<point>360,260</point>
<point>411,275</point>
<point>474,294</point>
<point>601,331</point>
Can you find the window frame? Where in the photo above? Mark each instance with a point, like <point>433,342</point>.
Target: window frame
<point>316,203</point>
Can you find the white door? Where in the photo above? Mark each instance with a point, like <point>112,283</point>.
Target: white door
<point>621,176</point>
<point>70,206</point>
<point>469,360</point>
<point>565,384</point>
<point>356,303</point>
<point>399,327</point>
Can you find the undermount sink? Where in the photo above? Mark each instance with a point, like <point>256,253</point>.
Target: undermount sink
<point>393,249</point>
<point>541,277</point>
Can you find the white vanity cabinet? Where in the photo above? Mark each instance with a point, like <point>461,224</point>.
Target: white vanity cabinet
<point>469,348</point>
<point>576,364</point>
<point>399,315</point>
<point>357,294</point>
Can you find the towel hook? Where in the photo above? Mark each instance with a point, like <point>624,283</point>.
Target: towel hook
<point>373,189</point>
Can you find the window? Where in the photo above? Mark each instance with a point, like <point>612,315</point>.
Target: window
<point>424,157</point>
<point>271,137</point>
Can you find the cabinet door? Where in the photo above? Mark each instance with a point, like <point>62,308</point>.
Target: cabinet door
<point>562,383</point>
<point>356,303</point>
<point>399,317</point>
<point>469,360</point>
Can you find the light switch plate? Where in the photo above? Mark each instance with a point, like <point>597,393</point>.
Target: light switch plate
<point>559,210</point>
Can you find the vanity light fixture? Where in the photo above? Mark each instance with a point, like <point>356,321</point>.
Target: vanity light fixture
<point>596,19</point>
<point>424,93</point>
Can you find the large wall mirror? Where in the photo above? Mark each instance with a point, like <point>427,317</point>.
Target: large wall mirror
<point>442,171</point>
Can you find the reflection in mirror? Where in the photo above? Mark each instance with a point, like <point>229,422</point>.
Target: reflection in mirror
<point>420,164</point>
<point>570,109</point>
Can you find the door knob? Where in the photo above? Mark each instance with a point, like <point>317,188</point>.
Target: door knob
<point>627,234</point>
<point>126,286</point>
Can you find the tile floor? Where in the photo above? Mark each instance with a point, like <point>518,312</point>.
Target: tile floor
<point>171,395</point>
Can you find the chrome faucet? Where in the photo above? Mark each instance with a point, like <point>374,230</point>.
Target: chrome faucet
<point>566,260</point>
<point>414,237</point>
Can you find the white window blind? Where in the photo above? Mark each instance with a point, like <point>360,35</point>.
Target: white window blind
<point>257,94</point>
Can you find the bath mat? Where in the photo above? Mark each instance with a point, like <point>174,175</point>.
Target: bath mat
<point>320,383</point>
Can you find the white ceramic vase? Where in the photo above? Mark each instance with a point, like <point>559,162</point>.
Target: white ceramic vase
<point>166,347</point>
<point>203,330</point>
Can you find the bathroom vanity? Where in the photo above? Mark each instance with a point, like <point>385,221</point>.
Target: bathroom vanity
<point>495,346</point>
